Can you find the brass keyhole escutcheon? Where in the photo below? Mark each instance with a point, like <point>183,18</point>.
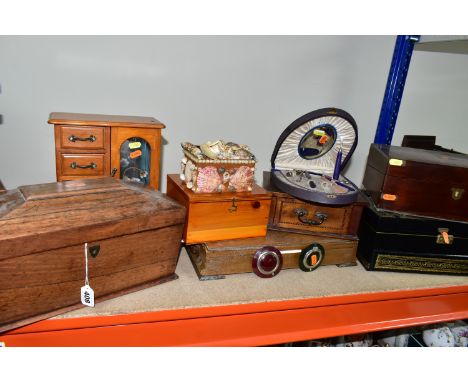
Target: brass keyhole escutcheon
<point>457,193</point>
<point>233,207</point>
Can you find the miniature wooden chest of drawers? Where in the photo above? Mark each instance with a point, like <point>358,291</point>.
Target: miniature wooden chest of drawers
<point>221,216</point>
<point>95,145</point>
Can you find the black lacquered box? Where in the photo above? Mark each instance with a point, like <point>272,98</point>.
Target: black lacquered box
<point>390,241</point>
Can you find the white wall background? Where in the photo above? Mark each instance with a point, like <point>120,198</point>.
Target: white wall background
<point>246,89</point>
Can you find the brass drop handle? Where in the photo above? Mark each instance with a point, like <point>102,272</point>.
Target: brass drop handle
<point>91,165</point>
<point>73,138</point>
<point>301,212</point>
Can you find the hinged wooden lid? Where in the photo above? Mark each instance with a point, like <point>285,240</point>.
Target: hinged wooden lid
<point>393,154</point>
<point>79,119</point>
<point>49,216</point>
<point>281,240</point>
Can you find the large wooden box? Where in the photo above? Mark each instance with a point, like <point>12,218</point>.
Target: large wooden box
<point>221,216</point>
<point>214,260</point>
<point>133,236</point>
<point>420,182</point>
<point>390,241</point>
<point>291,214</point>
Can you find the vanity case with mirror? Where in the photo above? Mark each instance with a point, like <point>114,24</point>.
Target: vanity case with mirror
<point>310,155</point>
<point>98,145</point>
<point>310,194</point>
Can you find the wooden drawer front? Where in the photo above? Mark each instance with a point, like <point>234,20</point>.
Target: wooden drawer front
<point>82,164</point>
<point>81,137</point>
<point>336,221</point>
<point>218,221</point>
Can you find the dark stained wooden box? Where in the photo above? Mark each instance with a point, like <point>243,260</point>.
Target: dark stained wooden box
<point>221,216</point>
<point>420,182</point>
<point>42,236</point>
<point>291,214</point>
<point>215,259</point>
<point>395,242</point>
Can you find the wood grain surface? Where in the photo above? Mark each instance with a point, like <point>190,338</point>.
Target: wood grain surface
<point>221,216</point>
<point>42,236</point>
<point>340,220</point>
<point>82,119</point>
<point>423,183</point>
<point>235,256</point>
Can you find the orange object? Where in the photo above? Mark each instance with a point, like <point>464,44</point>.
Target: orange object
<point>314,259</point>
<point>135,154</point>
<point>389,197</point>
<point>446,237</point>
<point>323,139</point>
<point>252,324</point>
<point>221,215</point>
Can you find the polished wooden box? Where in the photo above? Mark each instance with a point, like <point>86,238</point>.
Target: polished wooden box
<point>419,182</point>
<point>89,145</point>
<point>221,216</point>
<point>390,241</point>
<point>214,260</point>
<point>291,214</point>
<point>133,236</point>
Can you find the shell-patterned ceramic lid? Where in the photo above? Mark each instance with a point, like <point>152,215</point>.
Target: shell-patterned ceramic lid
<point>312,141</point>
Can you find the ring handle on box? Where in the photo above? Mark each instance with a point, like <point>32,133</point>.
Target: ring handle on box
<point>301,213</point>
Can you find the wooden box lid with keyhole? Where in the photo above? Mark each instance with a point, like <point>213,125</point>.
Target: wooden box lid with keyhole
<point>418,182</point>
<point>221,216</point>
<point>291,214</point>
<point>133,236</point>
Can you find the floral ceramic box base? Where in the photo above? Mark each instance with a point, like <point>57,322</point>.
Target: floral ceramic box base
<point>217,167</point>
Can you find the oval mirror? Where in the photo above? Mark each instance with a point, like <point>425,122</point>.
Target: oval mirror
<point>317,142</point>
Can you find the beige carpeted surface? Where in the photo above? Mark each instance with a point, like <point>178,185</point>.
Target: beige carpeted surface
<point>188,291</point>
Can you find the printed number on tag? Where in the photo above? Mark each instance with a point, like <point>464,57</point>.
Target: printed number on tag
<point>87,296</point>
<point>135,154</point>
<point>134,145</point>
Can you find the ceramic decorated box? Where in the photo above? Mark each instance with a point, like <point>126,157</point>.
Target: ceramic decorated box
<point>217,167</point>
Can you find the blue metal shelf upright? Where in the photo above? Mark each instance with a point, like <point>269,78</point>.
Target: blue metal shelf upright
<point>394,90</point>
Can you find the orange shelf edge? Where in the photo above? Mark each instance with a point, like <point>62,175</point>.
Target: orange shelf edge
<point>252,324</point>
